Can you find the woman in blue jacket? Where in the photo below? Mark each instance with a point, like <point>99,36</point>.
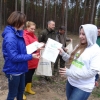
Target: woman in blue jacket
<point>15,56</point>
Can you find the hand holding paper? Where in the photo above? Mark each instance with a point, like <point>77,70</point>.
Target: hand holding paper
<point>61,50</point>
<point>41,48</point>
<point>36,55</point>
<point>51,50</point>
<point>33,47</point>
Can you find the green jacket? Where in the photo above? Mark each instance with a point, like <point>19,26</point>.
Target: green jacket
<point>98,40</point>
<point>45,34</point>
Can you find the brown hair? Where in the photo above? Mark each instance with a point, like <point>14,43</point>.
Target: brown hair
<point>16,19</point>
<point>81,48</point>
<point>29,23</point>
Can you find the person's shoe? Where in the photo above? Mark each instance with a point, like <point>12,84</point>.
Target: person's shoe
<point>24,97</point>
<point>28,88</point>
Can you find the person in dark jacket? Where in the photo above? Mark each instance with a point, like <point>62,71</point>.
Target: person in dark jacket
<point>15,56</point>
<point>49,32</point>
<point>61,37</point>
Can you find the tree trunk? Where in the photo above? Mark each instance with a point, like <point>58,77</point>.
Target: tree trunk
<point>63,11</point>
<point>76,16</point>
<point>26,8</point>
<point>95,12</point>
<point>66,17</point>
<point>0,14</point>
<point>22,6</point>
<point>43,13</point>
<point>55,11</point>
<point>92,13</point>
<point>32,10</point>
<point>15,5</point>
<point>48,10</point>
<point>36,7</point>
<point>5,5</point>
<point>84,11</point>
<point>87,14</point>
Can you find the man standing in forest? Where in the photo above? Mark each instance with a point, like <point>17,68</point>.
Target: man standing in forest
<point>49,32</point>
<point>61,37</point>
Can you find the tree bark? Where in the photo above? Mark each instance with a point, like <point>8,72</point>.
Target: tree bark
<point>84,11</point>
<point>92,13</point>
<point>55,10</point>
<point>15,5</point>
<point>0,14</point>
<point>66,17</point>
<point>63,11</point>
<point>5,5</point>
<point>43,13</point>
<point>22,6</point>
<point>26,8</point>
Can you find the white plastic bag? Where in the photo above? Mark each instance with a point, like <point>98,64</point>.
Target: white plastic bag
<point>69,47</point>
<point>44,67</point>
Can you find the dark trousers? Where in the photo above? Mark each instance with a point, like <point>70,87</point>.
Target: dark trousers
<point>29,75</point>
<point>62,63</point>
<point>16,85</point>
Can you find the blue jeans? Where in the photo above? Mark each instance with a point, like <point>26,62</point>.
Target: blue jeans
<point>74,93</point>
<point>16,85</point>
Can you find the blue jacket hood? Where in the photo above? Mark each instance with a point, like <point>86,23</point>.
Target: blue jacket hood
<point>11,29</point>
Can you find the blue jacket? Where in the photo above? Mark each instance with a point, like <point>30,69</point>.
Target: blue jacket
<point>14,51</point>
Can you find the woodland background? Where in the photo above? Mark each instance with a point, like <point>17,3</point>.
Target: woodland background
<point>71,13</point>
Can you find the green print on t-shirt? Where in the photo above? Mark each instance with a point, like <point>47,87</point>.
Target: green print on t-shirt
<point>77,63</point>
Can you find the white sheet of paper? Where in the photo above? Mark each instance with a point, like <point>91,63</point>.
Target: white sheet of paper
<point>33,47</point>
<point>51,50</point>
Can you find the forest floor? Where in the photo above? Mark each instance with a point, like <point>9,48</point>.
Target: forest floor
<point>54,90</point>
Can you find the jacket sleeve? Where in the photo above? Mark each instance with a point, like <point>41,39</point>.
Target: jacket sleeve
<point>65,56</point>
<point>13,53</point>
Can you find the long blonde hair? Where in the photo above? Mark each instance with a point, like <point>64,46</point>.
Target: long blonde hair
<point>81,48</point>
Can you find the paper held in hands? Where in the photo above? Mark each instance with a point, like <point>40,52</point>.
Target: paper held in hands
<point>51,50</point>
<point>33,47</point>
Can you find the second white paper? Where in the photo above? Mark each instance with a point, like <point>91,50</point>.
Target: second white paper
<point>51,50</point>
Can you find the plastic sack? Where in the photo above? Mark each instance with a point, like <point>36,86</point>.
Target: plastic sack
<point>69,47</point>
<point>44,67</point>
